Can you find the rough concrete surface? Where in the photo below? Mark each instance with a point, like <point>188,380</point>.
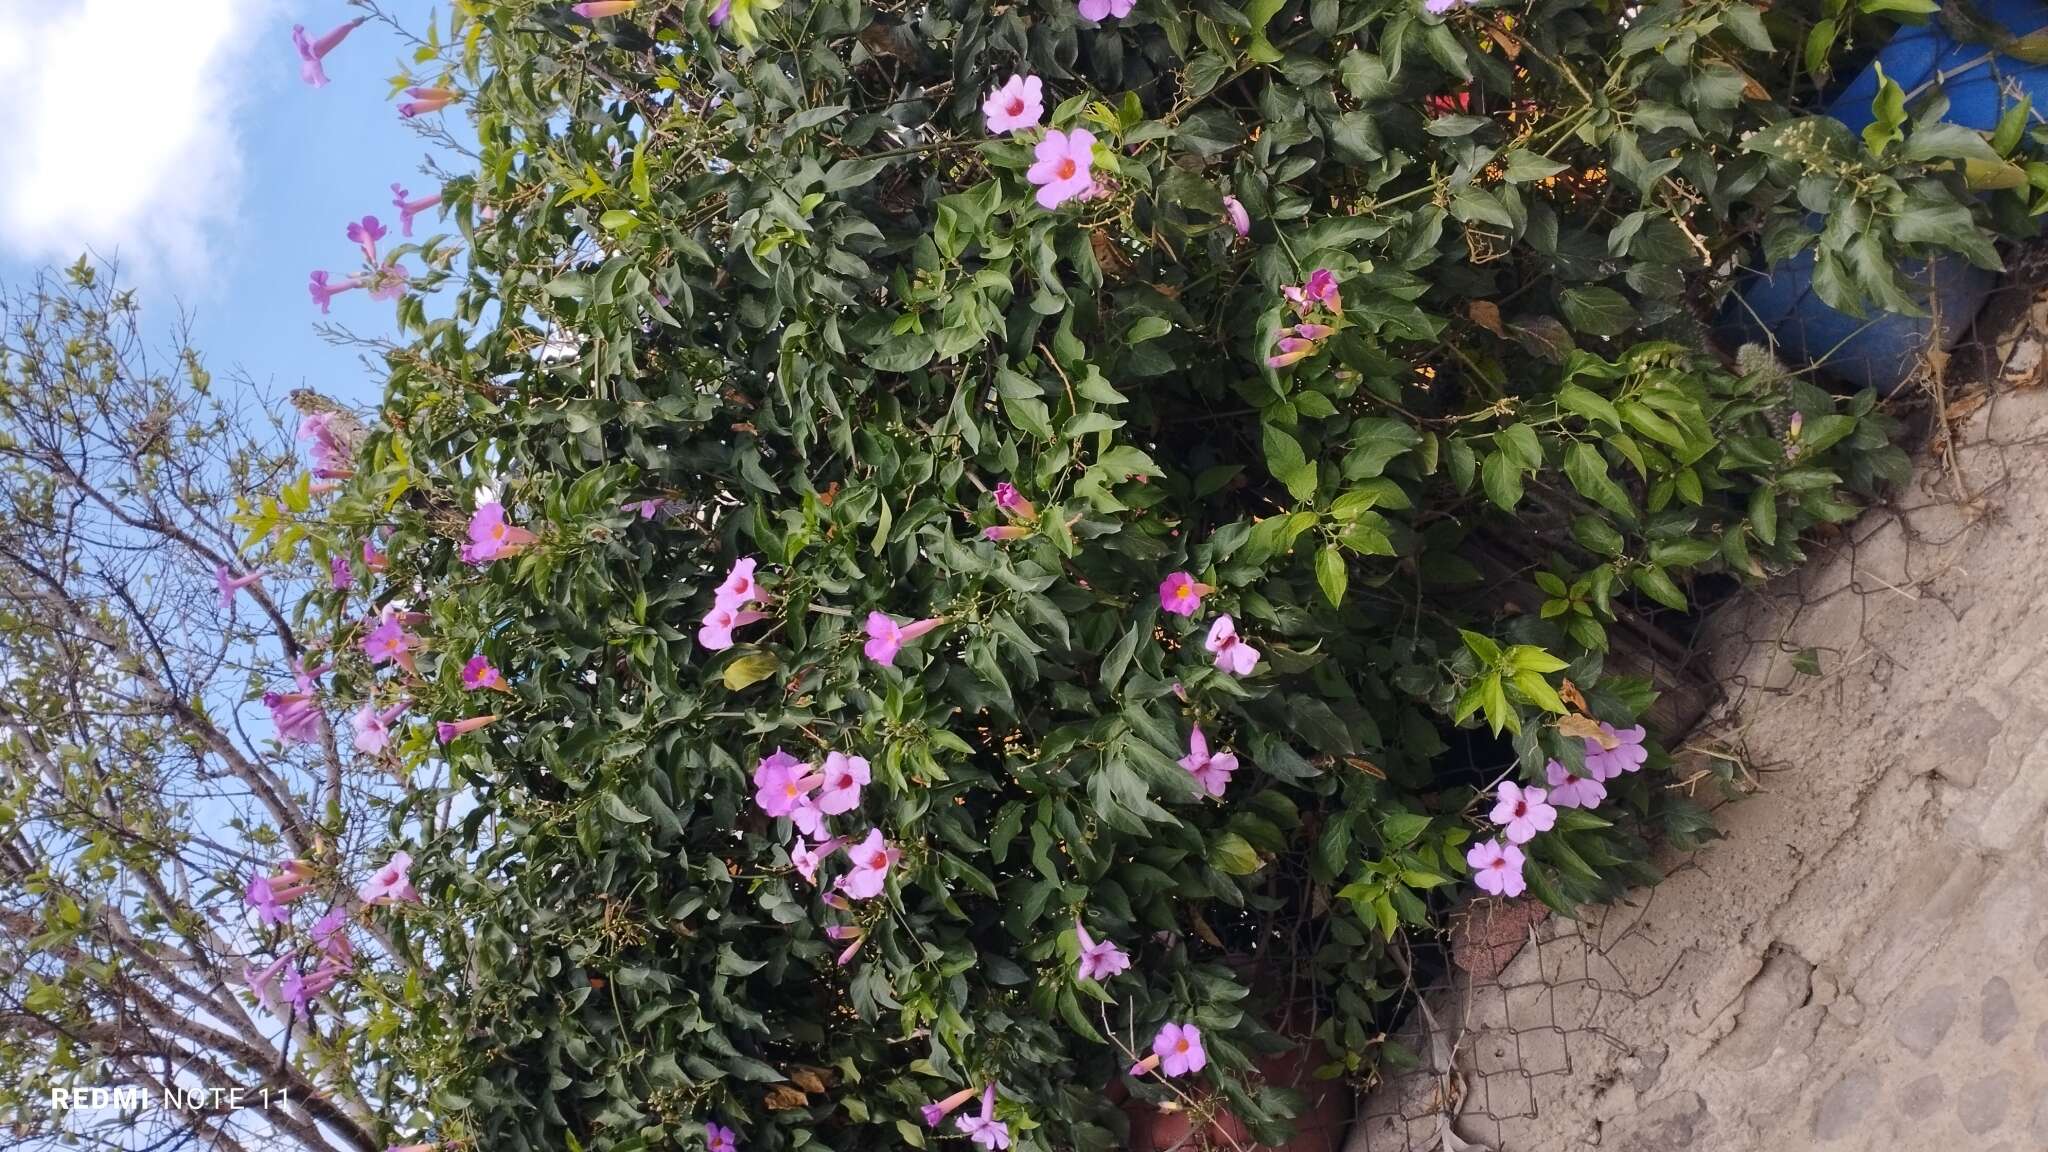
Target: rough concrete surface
<point>1862,963</point>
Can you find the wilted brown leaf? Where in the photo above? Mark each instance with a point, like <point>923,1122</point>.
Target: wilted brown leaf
<point>1202,928</point>
<point>810,1079</point>
<point>1587,728</point>
<point>1114,262</point>
<point>1569,693</point>
<point>782,1098</point>
<point>1366,766</point>
<point>1486,314</point>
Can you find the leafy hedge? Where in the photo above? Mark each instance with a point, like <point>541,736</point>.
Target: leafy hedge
<point>789,299</point>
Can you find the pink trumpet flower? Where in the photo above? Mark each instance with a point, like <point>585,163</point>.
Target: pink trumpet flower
<point>781,782</point>
<point>391,884</point>
<point>1063,165</point>
<point>339,576</point>
<point>1523,812</point>
<point>1234,211</point>
<point>229,584</point>
<point>886,637</point>
<point>407,209</point>
<point>1100,10</point>
<point>938,1110</point>
<point>1181,595</point>
<point>719,1138</point>
<point>1497,868</point>
<point>390,643</point>
<point>1100,959</point>
<point>871,858</point>
<point>714,632</point>
<point>1013,503</point>
<point>847,932</point>
<point>1320,291</point>
<point>328,450</point>
<point>985,1129</point>
<point>1568,789</point>
<point>425,100</point>
<point>479,672</point>
<point>740,587</point>
<point>1000,533</point>
<point>491,537</point>
<point>450,730</point>
<point>299,987</point>
<point>373,728</point>
<point>1018,104</point>
<point>365,233</point>
<point>1231,654</point>
<point>1289,350</point>
<point>599,9</point>
<point>373,559</point>
<point>1211,772</point>
<point>844,777</point>
<point>807,857</point>
<point>312,52</point>
<point>1177,1046</point>
<point>264,982</point>
<point>324,293</point>
<point>270,895</point>
<point>330,935</point>
<point>294,715</point>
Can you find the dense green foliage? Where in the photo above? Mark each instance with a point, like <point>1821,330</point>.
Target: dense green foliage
<point>796,292</point>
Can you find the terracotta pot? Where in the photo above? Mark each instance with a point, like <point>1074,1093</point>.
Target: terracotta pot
<point>1320,1127</point>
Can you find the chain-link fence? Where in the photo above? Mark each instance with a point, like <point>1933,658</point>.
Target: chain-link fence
<point>1523,1017</point>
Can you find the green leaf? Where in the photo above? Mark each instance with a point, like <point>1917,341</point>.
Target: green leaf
<point>1524,166</point>
<point>1763,514</point>
<point>750,668</point>
<point>1588,473</point>
<point>1589,405</point>
<point>1652,582</point>
<point>1400,829</point>
<point>621,811</point>
<point>1232,855</point>
<point>1597,310</point>
<point>1502,481</point>
<point>1331,574</point>
<point>1285,460</point>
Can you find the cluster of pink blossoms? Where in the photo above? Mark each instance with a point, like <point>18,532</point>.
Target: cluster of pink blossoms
<point>1497,865</point>
<point>1021,514</point>
<point>297,977</point>
<point>787,787</point>
<point>1181,594</point>
<point>385,280</point>
<point>729,606</point>
<point>1318,306</point>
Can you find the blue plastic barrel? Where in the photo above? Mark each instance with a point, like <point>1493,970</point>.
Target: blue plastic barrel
<point>1882,350</point>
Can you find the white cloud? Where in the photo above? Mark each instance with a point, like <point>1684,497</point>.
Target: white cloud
<point>116,127</point>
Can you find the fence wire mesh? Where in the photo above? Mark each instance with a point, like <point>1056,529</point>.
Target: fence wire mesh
<point>1535,1011</point>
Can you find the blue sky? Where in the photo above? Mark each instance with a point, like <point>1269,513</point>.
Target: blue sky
<point>178,135</point>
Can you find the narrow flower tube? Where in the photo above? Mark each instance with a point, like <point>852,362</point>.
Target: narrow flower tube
<point>312,52</point>
<point>450,730</point>
<point>599,9</point>
<point>425,100</point>
<point>939,1109</point>
<point>408,208</point>
<point>323,292</point>
<point>229,584</point>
